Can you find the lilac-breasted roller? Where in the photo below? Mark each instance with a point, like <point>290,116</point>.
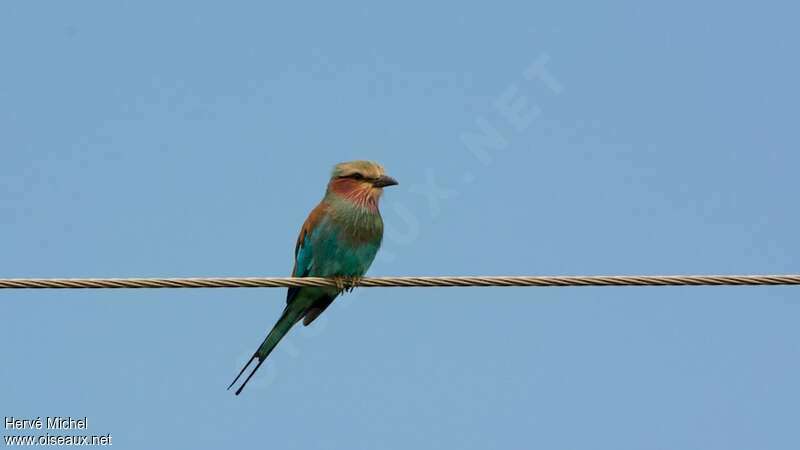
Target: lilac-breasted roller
<point>339,239</point>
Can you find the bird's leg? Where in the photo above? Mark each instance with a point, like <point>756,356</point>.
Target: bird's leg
<point>352,282</point>
<point>340,282</point>
<point>346,283</point>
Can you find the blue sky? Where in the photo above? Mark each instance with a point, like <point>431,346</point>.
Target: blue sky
<point>192,138</point>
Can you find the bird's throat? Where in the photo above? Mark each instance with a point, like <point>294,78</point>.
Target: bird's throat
<point>359,195</point>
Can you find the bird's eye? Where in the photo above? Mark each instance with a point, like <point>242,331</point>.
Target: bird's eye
<point>357,176</point>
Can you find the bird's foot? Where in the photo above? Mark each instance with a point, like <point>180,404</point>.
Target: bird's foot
<point>354,281</point>
<point>339,283</point>
<point>346,283</point>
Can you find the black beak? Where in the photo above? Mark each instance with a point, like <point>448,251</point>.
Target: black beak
<point>385,181</point>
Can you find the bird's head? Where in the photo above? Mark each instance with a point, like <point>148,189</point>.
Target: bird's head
<point>360,180</point>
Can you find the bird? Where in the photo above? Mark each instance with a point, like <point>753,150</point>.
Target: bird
<point>339,239</point>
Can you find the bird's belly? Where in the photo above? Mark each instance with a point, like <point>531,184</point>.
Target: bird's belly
<point>343,260</point>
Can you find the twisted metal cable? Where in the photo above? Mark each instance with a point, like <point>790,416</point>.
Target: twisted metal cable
<point>459,281</point>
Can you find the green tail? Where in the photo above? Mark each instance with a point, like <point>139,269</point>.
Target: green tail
<point>282,326</point>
